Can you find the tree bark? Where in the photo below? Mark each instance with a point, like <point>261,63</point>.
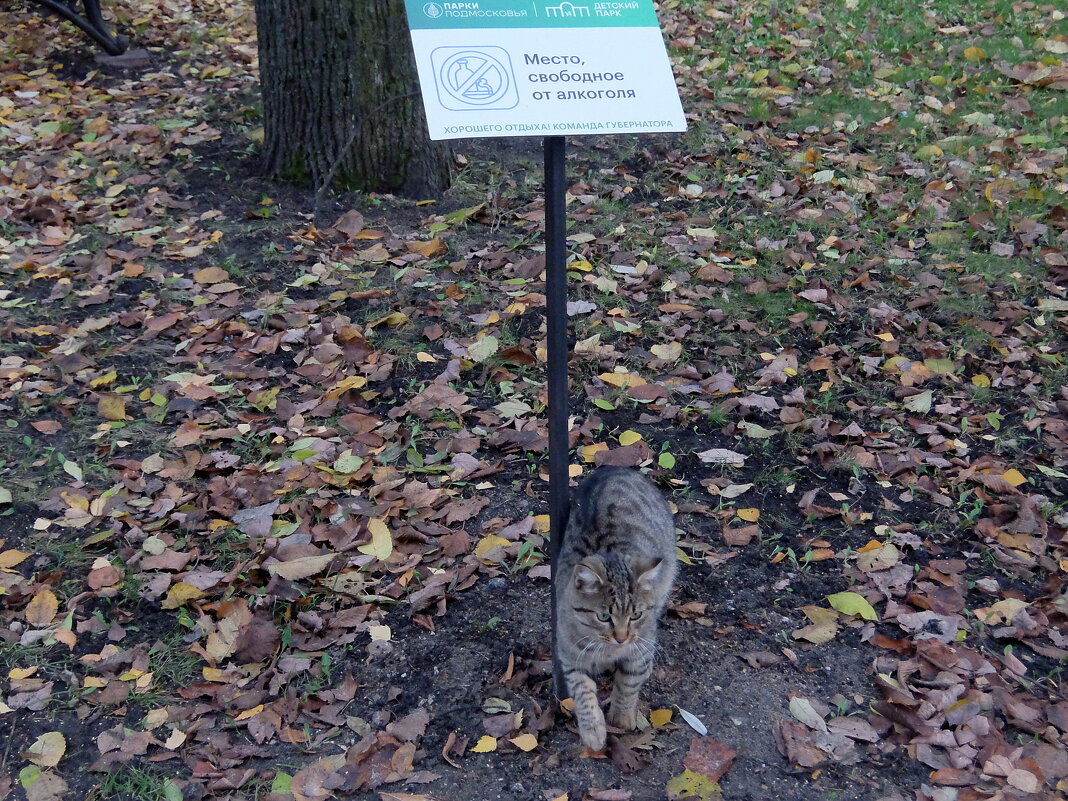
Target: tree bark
<point>341,98</point>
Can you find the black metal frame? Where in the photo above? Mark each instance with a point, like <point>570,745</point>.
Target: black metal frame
<point>92,22</point>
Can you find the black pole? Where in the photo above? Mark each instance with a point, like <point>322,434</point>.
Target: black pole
<point>556,346</point>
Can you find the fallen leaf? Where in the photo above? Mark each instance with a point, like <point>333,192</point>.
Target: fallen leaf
<point>691,786</point>
<point>181,593</point>
<point>622,379</point>
<point>693,721</point>
<point>485,744</point>
<point>47,750</point>
<point>381,544</point>
<point>42,608</point>
<point>481,349</point>
<point>524,742</point>
<point>823,628</point>
<point>660,717</point>
<point>709,758</point>
<point>669,351</point>
<point>802,709</point>
<point>301,567</point>
<point>721,456</point>
<point>850,603</point>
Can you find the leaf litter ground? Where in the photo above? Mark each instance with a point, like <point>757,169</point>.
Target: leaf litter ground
<point>273,482</point>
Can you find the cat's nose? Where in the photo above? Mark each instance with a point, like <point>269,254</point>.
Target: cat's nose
<point>621,635</point>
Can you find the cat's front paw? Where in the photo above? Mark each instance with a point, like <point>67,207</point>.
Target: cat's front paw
<point>594,737</point>
<point>624,719</point>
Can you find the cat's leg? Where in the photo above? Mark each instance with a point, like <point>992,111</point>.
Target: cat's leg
<point>631,674</point>
<point>588,712</point>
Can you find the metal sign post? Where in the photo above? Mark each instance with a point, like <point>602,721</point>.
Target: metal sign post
<point>545,68</point>
<point>556,347</point>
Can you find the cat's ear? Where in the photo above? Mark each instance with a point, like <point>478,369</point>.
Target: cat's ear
<point>589,574</point>
<point>647,573</point>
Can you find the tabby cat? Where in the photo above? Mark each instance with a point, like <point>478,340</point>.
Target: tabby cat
<point>615,570</point>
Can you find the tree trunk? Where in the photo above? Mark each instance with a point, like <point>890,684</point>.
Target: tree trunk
<point>341,98</point>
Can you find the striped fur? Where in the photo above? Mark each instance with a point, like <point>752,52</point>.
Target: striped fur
<point>615,570</point>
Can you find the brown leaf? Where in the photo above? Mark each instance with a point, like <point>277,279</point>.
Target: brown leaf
<point>709,757</point>
<point>316,782</point>
<point>350,223</point>
<point>624,757</point>
<point>301,567</point>
<point>432,249</point>
<point>411,727</point>
<point>798,744</point>
<point>257,641</point>
<point>761,659</point>
<point>741,535</point>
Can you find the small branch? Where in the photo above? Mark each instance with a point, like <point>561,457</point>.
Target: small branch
<point>356,128</point>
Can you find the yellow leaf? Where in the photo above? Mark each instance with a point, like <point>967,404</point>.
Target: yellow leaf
<point>180,594</point>
<point>629,438</point>
<point>344,385</point>
<point>885,337</point>
<point>115,189</point>
<point>11,558</point>
<point>487,544</point>
<point>42,608</point>
<point>1014,477</point>
<point>111,407</point>
<point>485,744</point>
<point>622,379</point>
<point>580,264</point>
<point>104,380</point>
<point>394,318</point>
<point>980,380</point>
<point>17,674</point>
<point>929,152</point>
<point>851,603</point>
<point>250,713</point>
<point>541,523</point>
<point>381,544</point>
<point>525,742</point>
<point>588,453</point>
<point>749,515</point>
<point>692,785</point>
<point>974,53</point>
<point>660,717</point>
<point>47,749</point>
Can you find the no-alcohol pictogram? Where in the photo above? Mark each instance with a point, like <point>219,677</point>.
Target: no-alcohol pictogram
<point>474,78</point>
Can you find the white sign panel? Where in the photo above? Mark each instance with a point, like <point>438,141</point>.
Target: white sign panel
<point>543,68</point>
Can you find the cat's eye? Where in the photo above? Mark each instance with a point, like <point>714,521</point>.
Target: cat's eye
<point>604,617</point>
<point>636,615</point>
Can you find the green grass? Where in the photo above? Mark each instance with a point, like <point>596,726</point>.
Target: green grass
<point>136,783</point>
